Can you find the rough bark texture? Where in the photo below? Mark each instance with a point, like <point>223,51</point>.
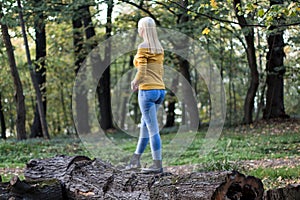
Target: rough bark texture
<point>94,179</point>
<point>189,106</point>
<point>251,57</point>
<point>32,75</point>
<point>40,69</point>
<point>20,190</point>
<point>19,96</point>
<point>288,193</point>
<point>104,95</point>
<point>83,178</point>
<point>275,72</point>
<point>2,120</point>
<point>81,102</point>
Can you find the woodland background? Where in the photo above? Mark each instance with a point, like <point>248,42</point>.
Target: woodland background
<point>255,45</point>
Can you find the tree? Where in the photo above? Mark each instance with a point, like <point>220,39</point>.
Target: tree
<point>251,57</point>
<point>275,71</point>
<point>104,83</point>
<point>32,75</point>
<point>2,120</point>
<point>40,69</point>
<point>81,93</point>
<point>19,96</point>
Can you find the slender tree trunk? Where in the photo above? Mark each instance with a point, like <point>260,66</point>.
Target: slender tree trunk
<point>251,57</point>
<point>89,27</point>
<point>81,94</point>
<point>189,104</point>
<point>19,97</point>
<point>171,99</point>
<point>32,74</point>
<point>104,83</point>
<point>40,69</point>
<point>2,119</point>
<point>275,73</point>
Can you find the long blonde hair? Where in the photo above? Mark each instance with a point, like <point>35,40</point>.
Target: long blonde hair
<point>147,25</point>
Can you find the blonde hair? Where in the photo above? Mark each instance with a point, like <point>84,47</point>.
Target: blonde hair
<point>147,25</point>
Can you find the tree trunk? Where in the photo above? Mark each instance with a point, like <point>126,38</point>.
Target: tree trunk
<point>20,103</point>
<point>40,69</point>
<point>81,93</point>
<point>251,57</point>
<point>275,73</point>
<point>94,179</point>
<point>291,192</point>
<point>18,190</point>
<point>189,103</point>
<point>89,28</point>
<point>104,83</point>
<point>2,119</point>
<point>32,75</point>
<point>171,101</point>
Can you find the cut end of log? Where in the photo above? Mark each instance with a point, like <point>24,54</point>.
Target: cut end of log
<point>238,186</point>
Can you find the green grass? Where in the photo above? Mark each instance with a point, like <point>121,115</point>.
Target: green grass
<point>16,153</point>
<point>277,177</point>
<point>231,147</point>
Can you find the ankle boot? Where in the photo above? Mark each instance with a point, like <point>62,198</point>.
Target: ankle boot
<point>134,162</point>
<point>154,169</point>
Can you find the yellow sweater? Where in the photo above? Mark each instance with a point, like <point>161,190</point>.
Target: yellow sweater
<point>150,69</point>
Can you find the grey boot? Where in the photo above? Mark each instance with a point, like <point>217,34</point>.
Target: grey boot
<point>134,162</point>
<point>154,169</point>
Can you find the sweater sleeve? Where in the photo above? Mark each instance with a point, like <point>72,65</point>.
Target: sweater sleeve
<point>140,61</point>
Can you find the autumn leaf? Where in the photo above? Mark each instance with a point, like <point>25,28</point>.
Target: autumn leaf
<point>206,31</point>
<point>213,4</point>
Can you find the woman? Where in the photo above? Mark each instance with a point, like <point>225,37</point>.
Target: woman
<point>149,82</point>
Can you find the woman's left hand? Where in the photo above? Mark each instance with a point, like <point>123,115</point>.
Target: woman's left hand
<point>134,85</point>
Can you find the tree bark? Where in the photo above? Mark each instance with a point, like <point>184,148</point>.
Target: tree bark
<point>19,97</point>
<point>2,119</point>
<point>275,73</point>
<point>94,179</point>
<point>44,189</point>
<point>83,178</point>
<point>104,96</point>
<point>189,103</point>
<point>251,57</point>
<point>40,69</point>
<point>171,101</point>
<point>81,93</point>
<point>291,192</point>
<point>32,75</point>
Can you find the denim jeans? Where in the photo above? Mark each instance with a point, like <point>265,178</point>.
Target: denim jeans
<point>149,101</point>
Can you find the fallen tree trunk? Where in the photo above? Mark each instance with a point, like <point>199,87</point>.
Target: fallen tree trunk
<point>94,179</point>
<point>19,190</point>
<point>291,192</point>
<point>83,178</point>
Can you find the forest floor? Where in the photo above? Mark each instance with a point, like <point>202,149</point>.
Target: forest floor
<point>279,166</point>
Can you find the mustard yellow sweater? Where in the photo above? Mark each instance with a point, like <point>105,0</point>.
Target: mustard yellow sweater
<point>150,69</point>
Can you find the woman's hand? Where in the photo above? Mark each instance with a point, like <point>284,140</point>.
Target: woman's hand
<point>134,85</point>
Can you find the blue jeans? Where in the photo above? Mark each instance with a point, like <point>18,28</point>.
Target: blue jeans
<point>149,101</point>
